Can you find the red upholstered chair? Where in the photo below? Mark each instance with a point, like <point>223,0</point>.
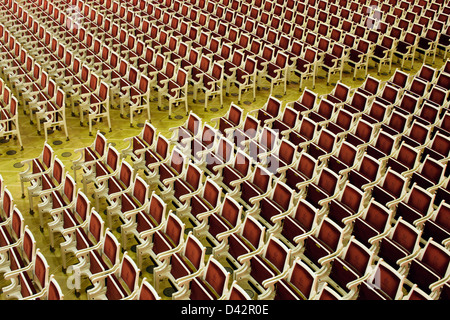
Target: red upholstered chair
<point>270,262</point>
<point>91,153</point>
<point>429,269</point>
<point>183,265</point>
<point>95,261</point>
<point>114,183</point>
<point>119,284</point>
<point>398,245</point>
<point>210,284</point>
<point>384,283</point>
<point>37,166</point>
<point>345,271</point>
<point>160,243</point>
<point>28,284</point>
<point>436,225</point>
<point>231,119</point>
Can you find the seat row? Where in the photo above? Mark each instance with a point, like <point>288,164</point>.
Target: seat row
<point>22,265</point>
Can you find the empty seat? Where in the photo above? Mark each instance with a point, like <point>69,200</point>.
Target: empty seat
<point>389,189</point>
<point>349,268</point>
<point>160,243</point>
<point>210,284</point>
<point>416,204</point>
<point>119,284</point>
<point>428,267</point>
<point>399,245</point>
<point>271,261</point>
<point>322,244</point>
<point>183,265</point>
<point>384,283</point>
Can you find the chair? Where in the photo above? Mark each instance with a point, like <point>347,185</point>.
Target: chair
<point>43,183</point>
<point>398,245</point>
<point>231,119</point>
<point>357,104</point>
<point>443,42</point>
<point>416,204</point>
<point>343,206</point>
<point>119,284</point>
<point>196,146</point>
<point>144,140</point>
<point>131,200</point>
<point>435,225</point>
<point>261,144</point>
<point>61,196</point>
<point>318,247</point>
<point>161,242</point>
<point>95,261</point>
<point>322,145</point>
<point>306,131</point>
<point>406,48</point>
<point>90,154</point>
<point>12,229</point>
<point>306,66</point>
<point>333,61</point>
<point>348,269</point>
<point>280,157</point>
<point>246,78</point>
<point>383,52</point>
<point>190,128</point>
<point>306,102</point>
<point>28,284</point>
<point>383,145</point>
<point>214,224</point>
<point>427,44</point>
<point>246,240</point>
<point>258,269</point>
<point>438,147</point>
<point>75,214</point>
<point>236,292</point>
<point>117,182</point>
<point>271,109</point>
<point>429,268</point>
<point>201,203</point>
<point>259,184</point>
<point>384,283</point>
<point>358,57</point>
<point>429,173</point>
<point>404,160</point>
<point>277,70</point>
<point>213,83</point>
<point>9,122</point>
<point>183,265</point>
<point>147,157</point>
<point>278,203</point>
<point>210,284</point>
<point>285,122</point>
<point>339,94</point>
<point>390,189</point>
<point>176,91</point>
<point>37,166</point>
<point>140,98</point>
<point>323,186</point>
<point>399,80</point>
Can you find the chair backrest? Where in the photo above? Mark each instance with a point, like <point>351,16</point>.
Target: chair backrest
<point>174,228</point>
<point>386,279</point>
<point>111,248</point>
<point>193,176</point>
<point>147,291</point>
<point>216,276</point>
<point>194,251</point>
<point>41,270</point>
<point>54,290</point>
<point>129,272</point>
